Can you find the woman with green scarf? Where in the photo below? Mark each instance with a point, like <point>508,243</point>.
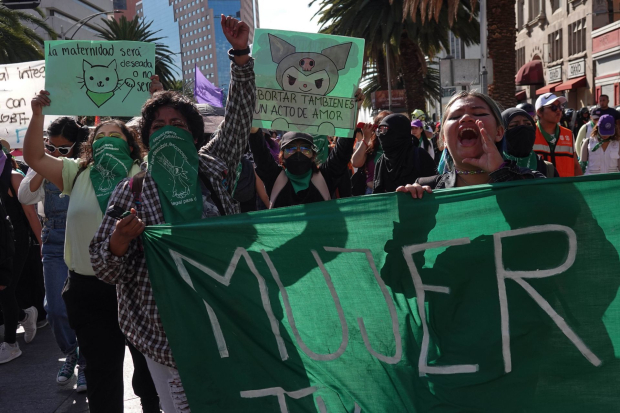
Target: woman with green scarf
<point>519,142</point>
<point>111,154</point>
<point>600,153</point>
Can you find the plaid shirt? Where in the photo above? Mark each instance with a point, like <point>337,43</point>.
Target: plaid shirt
<point>137,312</point>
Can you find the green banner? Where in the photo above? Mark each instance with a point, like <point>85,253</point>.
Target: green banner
<point>496,298</point>
<point>305,82</point>
<point>98,78</point>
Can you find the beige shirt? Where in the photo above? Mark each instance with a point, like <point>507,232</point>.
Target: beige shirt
<point>83,216</point>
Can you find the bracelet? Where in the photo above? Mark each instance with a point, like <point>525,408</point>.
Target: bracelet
<point>232,53</point>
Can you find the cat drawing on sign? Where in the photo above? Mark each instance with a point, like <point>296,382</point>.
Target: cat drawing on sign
<point>102,82</point>
<point>308,73</point>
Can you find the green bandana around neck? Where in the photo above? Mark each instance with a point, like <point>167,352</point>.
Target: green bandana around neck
<point>551,139</point>
<point>529,162</point>
<point>112,165</point>
<point>601,141</point>
<point>299,182</point>
<point>99,98</point>
<point>173,164</point>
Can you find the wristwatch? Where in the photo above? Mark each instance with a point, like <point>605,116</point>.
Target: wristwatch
<point>232,53</point>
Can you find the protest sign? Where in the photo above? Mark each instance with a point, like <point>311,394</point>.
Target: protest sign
<point>495,298</point>
<point>98,78</point>
<point>19,83</point>
<point>306,82</point>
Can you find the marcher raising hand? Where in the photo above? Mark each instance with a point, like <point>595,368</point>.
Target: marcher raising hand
<point>238,34</point>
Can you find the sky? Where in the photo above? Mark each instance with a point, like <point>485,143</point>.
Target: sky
<point>291,15</point>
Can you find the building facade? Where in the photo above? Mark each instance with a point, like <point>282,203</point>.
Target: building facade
<point>203,44</point>
<point>554,48</point>
<point>66,17</point>
<point>161,16</point>
<point>127,8</point>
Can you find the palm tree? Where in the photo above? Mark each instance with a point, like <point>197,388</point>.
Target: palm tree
<point>501,22</point>
<point>21,43</point>
<point>137,30</point>
<point>383,22</point>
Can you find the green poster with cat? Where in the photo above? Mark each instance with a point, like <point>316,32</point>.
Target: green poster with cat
<point>98,78</point>
<point>306,82</point>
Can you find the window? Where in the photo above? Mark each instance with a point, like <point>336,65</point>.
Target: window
<point>209,36</point>
<point>210,55</point>
<point>520,11</point>
<point>204,38</point>
<point>534,9</point>
<point>208,27</point>
<point>577,37</point>
<point>555,5</point>
<point>555,46</point>
<point>211,64</point>
<point>520,58</point>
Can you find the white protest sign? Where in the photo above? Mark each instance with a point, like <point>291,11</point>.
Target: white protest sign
<point>19,83</point>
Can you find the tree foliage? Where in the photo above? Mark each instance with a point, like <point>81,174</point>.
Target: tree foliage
<point>18,41</point>
<point>139,30</point>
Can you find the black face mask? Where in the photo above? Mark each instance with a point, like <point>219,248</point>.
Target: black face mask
<point>298,163</point>
<point>520,140</point>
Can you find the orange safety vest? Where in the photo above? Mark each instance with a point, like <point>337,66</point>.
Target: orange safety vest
<point>562,157</point>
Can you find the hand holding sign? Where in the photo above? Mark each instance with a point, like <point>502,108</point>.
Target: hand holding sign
<point>39,101</point>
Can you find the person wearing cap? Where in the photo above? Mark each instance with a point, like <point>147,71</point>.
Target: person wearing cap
<point>603,104</point>
<point>586,130</point>
<point>529,108</point>
<point>296,179</point>
<point>554,143</point>
<point>419,114</point>
<point>600,152</point>
<point>421,141</point>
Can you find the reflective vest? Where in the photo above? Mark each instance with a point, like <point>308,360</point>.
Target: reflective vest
<point>562,157</point>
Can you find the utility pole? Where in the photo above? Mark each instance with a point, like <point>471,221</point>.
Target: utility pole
<point>387,65</point>
<point>483,47</point>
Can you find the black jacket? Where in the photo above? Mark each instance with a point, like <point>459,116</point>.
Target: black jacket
<point>268,170</point>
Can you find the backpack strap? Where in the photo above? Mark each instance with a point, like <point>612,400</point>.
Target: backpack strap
<point>277,188</point>
<point>214,196</point>
<point>319,183</point>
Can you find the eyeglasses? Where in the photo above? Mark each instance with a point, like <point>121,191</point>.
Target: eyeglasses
<point>63,150</point>
<point>382,129</point>
<point>289,150</point>
<point>555,108</point>
<point>117,135</point>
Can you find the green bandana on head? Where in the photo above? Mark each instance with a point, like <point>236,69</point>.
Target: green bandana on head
<point>112,165</point>
<point>173,164</point>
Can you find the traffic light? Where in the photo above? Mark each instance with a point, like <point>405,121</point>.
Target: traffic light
<point>21,4</point>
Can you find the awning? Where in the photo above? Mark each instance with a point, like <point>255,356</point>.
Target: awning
<point>548,88</point>
<point>521,95</point>
<point>530,73</point>
<point>573,84</point>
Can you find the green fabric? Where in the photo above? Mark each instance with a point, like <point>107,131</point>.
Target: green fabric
<point>112,164</point>
<point>322,148</point>
<point>173,163</point>
<point>600,143</point>
<point>99,98</point>
<point>551,139</point>
<point>295,256</point>
<point>237,176</point>
<point>299,182</point>
<point>530,162</point>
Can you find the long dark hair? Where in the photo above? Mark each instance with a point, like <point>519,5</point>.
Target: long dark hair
<point>176,101</point>
<point>133,140</point>
<point>71,130</point>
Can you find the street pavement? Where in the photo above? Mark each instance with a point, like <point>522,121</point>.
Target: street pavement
<point>28,383</point>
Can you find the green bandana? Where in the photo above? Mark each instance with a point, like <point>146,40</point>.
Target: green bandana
<point>601,141</point>
<point>173,164</point>
<point>300,182</point>
<point>112,165</point>
<point>529,162</point>
<point>99,98</point>
<point>551,139</point>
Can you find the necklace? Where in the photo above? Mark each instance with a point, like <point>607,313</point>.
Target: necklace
<point>478,171</point>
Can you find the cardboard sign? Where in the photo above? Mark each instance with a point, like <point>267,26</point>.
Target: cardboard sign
<point>19,83</point>
<point>306,82</point>
<point>98,78</point>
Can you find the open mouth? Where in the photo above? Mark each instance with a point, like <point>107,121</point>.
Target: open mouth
<point>468,136</point>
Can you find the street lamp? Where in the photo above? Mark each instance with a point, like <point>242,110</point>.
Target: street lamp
<point>83,21</point>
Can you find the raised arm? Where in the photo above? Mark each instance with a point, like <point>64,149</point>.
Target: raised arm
<point>337,162</point>
<point>231,139</point>
<point>29,210</point>
<point>266,167</point>
<point>358,160</point>
<point>34,154</point>
<point>31,189</point>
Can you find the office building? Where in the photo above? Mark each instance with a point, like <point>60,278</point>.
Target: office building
<point>202,41</point>
<point>161,14</point>
<point>80,16</point>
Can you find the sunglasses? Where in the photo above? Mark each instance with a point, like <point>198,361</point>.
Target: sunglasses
<point>382,129</point>
<point>63,150</point>
<point>117,135</point>
<point>289,150</point>
<point>555,108</point>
